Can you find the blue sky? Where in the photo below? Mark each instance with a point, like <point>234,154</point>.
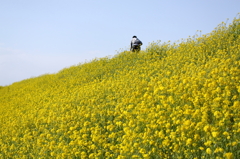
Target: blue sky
<point>39,37</point>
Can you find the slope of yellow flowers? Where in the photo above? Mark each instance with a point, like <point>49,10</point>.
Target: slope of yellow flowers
<point>176,100</point>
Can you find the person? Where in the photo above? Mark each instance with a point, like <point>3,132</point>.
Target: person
<point>135,44</point>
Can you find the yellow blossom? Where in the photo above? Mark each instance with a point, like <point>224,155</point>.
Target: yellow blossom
<point>229,155</point>
<point>208,151</point>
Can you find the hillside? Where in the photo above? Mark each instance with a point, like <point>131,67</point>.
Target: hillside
<point>177,100</point>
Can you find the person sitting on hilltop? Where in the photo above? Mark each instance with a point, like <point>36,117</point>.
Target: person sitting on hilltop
<point>135,44</point>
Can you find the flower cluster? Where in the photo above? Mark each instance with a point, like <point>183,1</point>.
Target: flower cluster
<point>178,100</point>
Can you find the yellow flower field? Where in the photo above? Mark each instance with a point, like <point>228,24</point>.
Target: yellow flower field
<point>173,100</point>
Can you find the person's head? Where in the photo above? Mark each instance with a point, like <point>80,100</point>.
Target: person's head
<point>134,36</point>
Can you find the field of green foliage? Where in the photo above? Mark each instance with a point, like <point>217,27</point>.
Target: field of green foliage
<point>172,100</point>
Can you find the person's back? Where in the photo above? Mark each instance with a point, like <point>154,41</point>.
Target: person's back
<point>135,44</point>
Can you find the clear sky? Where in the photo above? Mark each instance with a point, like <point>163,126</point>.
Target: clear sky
<point>45,36</point>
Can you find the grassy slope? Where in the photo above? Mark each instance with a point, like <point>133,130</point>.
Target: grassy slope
<point>178,100</point>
